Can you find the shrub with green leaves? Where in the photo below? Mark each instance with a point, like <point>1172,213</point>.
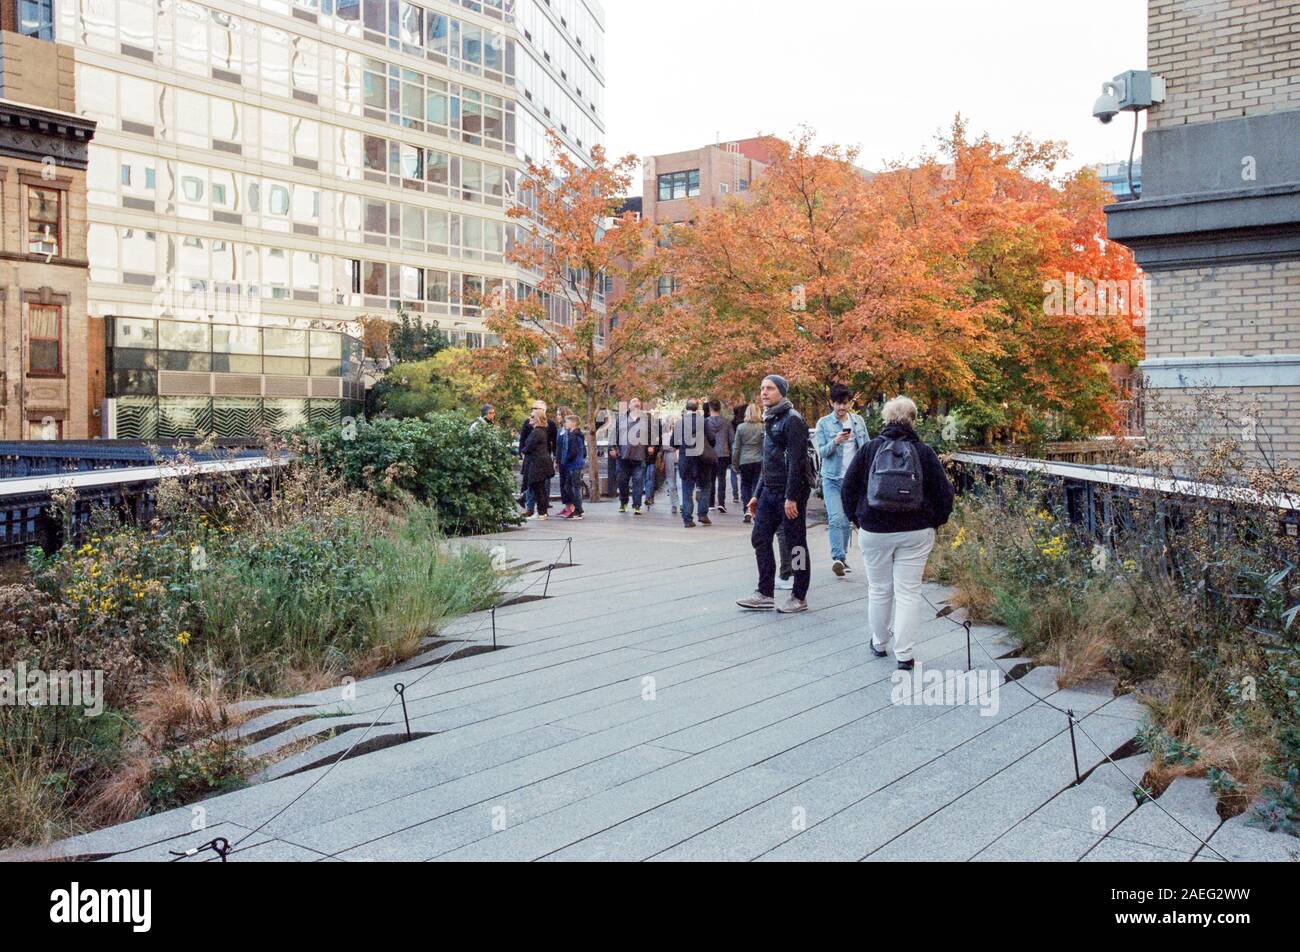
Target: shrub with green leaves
<point>466,474</point>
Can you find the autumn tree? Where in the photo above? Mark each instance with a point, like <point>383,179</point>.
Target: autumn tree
<point>928,278</point>
<point>816,279</point>
<point>1067,302</point>
<point>564,332</point>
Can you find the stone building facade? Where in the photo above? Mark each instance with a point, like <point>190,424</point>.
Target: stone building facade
<point>1217,227</point>
<point>48,371</point>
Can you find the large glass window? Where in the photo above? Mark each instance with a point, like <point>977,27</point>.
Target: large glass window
<point>184,335</point>
<point>675,185</point>
<point>236,349</point>
<point>285,350</point>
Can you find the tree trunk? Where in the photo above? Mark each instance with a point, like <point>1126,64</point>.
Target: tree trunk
<point>593,448</point>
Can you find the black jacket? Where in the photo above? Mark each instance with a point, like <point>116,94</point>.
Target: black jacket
<point>552,435</point>
<point>785,454</point>
<point>936,507</point>
<point>538,463</point>
<point>688,438</point>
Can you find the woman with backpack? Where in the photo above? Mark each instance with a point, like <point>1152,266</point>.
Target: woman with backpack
<point>539,465</point>
<point>897,494</point>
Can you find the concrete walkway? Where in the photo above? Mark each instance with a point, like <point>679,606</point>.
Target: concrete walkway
<point>636,713</point>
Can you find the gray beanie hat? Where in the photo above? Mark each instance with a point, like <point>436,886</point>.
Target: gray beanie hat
<point>780,383</point>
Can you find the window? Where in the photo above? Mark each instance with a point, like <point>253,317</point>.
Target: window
<point>675,185</point>
<point>45,339</point>
<point>36,18</point>
<point>43,220</point>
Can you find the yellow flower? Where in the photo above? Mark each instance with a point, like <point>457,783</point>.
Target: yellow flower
<point>183,638</point>
<point>960,539</point>
<point>1053,548</point>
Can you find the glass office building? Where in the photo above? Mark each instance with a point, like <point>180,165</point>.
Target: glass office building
<point>287,167</point>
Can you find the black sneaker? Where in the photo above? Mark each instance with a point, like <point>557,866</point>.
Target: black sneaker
<point>879,652</point>
<point>906,665</point>
<point>722,509</point>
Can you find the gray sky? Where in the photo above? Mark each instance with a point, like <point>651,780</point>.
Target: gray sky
<point>885,76</point>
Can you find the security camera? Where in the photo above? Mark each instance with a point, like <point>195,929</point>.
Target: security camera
<point>1134,90</point>
<point>1106,107</point>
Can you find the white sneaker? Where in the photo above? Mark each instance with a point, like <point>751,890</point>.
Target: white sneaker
<point>785,584</point>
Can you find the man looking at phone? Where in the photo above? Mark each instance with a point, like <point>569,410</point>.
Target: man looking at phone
<point>839,436</point>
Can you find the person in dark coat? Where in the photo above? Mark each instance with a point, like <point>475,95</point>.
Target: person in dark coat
<point>895,542</point>
<point>539,465</point>
<point>780,501</point>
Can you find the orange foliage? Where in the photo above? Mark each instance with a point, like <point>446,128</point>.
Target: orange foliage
<point>930,279</point>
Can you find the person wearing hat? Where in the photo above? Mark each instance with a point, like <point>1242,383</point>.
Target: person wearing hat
<point>780,501</point>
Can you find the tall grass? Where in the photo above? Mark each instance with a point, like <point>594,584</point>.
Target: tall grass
<point>1190,601</point>
<point>229,595</point>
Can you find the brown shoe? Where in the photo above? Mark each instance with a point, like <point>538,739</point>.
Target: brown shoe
<point>705,521</point>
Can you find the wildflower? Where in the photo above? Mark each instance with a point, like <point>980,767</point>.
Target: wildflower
<point>183,638</point>
<point>960,539</point>
<point>1053,548</point>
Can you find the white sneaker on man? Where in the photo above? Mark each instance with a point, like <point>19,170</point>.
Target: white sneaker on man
<point>785,584</point>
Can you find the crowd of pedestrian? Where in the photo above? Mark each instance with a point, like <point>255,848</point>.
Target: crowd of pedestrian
<point>892,488</point>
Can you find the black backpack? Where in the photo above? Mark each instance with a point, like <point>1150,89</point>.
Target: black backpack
<point>895,483</point>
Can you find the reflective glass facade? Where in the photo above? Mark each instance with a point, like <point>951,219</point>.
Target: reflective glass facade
<point>183,379</point>
<point>305,163</point>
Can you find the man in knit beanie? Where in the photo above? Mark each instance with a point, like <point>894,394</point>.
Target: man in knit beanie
<point>780,500</point>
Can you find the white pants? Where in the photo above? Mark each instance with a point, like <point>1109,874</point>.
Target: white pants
<point>895,564</point>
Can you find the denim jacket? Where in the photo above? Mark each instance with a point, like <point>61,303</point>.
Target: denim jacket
<point>828,427</point>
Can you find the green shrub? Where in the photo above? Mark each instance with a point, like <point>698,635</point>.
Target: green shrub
<point>467,475</point>
<point>189,774</point>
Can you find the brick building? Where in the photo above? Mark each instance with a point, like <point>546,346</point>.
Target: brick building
<point>675,186</point>
<point>51,384</point>
<point>680,182</point>
<point>1217,227</point>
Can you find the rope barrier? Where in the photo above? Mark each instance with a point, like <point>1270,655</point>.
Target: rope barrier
<point>399,692</point>
<point>1073,722</point>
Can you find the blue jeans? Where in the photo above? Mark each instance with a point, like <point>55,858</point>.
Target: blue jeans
<point>530,500</point>
<point>572,483</point>
<point>840,530</point>
<point>649,480</point>
<point>689,486</point>
<point>631,475</point>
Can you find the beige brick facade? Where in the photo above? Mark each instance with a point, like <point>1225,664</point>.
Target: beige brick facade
<point>1237,310</point>
<point>46,363</point>
<point>1223,59</point>
<point>37,72</point>
<point>1218,231</point>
